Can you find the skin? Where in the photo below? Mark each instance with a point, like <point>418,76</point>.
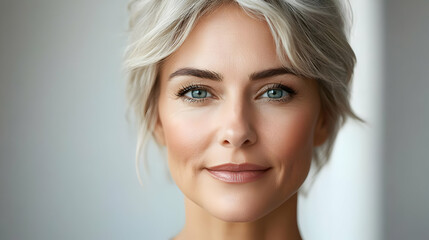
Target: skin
<point>237,122</point>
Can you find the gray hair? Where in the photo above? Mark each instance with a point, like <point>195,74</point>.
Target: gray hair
<point>311,34</point>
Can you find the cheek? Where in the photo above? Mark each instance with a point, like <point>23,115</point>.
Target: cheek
<point>289,141</point>
<point>294,135</point>
<point>290,131</point>
<point>185,132</point>
<point>186,137</point>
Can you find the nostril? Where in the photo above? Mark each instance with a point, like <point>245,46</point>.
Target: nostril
<point>238,138</point>
<point>245,143</point>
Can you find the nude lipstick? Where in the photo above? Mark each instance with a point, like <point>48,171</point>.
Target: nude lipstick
<point>237,173</point>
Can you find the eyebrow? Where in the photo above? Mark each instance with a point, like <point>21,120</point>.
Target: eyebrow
<point>211,75</point>
<point>199,73</point>
<point>270,73</point>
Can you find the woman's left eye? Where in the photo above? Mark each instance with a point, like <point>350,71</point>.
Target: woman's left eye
<point>275,93</point>
<point>278,93</point>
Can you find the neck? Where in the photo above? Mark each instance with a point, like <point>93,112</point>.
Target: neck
<point>281,223</point>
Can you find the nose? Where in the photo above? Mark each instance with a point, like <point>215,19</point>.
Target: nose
<point>237,129</point>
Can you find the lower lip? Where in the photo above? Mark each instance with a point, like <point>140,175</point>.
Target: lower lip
<point>237,177</point>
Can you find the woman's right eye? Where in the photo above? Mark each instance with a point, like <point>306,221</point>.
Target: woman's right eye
<point>198,94</point>
<point>194,93</point>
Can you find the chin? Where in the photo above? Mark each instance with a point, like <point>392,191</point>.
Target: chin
<point>240,210</point>
<point>239,216</point>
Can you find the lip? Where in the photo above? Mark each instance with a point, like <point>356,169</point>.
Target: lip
<point>237,173</point>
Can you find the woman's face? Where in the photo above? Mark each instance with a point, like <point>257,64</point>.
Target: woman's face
<point>238,127</point>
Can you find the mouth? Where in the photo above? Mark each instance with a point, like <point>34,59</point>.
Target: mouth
<point>237,173</point>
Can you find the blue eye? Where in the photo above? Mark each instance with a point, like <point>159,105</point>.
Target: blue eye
<point>198,94</point>
<point>275,93</point>
<point>194,93</point>
<point>278,92</point>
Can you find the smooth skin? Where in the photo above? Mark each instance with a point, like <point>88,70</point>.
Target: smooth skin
<point>221,114</point>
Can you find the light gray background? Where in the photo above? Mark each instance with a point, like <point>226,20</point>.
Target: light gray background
<point>406,115</point>
<point>67,152</point>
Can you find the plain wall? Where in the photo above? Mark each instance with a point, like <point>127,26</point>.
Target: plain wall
<point>406,117</point>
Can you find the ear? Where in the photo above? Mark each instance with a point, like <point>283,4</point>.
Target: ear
<point>321,132</point>
<point>158,132</point>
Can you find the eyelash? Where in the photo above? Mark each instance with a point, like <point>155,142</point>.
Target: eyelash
<point>185,89</point>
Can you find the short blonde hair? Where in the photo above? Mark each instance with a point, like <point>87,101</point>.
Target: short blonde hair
<point>310,34</point>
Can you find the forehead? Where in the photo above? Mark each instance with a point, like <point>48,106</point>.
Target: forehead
<point>227,40</point>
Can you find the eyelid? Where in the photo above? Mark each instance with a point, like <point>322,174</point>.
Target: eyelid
<point>186,88</point>
<point>289,90</point>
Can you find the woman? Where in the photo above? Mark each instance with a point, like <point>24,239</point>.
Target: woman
<point>243,95</point>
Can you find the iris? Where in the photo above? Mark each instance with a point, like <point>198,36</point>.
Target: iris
<point>199,93</point>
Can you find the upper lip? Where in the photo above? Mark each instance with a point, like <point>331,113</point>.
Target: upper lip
<point>238,167</point>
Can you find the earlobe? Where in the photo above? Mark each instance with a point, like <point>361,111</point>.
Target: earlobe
<point>158,133</point>
<point>321,132</point>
